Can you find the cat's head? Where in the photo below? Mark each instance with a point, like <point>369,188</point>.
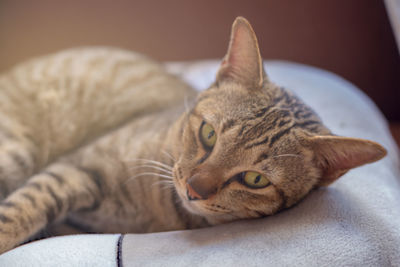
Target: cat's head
<point>251,148</point>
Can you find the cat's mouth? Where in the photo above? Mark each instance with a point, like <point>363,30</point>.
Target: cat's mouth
<point>198,201</point>
<point>194,203</point>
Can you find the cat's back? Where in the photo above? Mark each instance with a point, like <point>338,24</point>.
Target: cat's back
<point>91,71</point>
<point>72,96</point>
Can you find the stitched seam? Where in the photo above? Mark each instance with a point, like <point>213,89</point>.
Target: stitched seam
<point>119,250</point>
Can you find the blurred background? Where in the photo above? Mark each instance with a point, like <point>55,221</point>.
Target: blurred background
<point>352,38</point>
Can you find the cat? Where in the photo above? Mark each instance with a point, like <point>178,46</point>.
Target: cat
<point>104,140</point>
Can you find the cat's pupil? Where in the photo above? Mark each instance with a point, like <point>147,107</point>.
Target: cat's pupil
<point>211,134</point>
<point>258,178</point>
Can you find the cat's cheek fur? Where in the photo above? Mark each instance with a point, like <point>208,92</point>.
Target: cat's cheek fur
<point>232,202</point>
<point>297,181</point>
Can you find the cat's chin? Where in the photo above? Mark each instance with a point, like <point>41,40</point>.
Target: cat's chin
<point>213,218</point>
<point>192,208</point>
<point>195,208</point>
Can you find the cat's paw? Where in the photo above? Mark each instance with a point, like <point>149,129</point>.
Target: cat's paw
<point>10,230</point>
<point>6,243</point>
<point>16,165</point>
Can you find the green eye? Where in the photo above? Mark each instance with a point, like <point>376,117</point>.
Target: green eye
<point>207,135</point>
<point>255,180</point>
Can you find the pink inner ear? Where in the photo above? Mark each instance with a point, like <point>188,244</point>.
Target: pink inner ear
<point>353,153</point>
<point>337,155</point>
<point>242,63</point>
<point>239,48</point>
<point>341,159</point>
<point>334,164</point>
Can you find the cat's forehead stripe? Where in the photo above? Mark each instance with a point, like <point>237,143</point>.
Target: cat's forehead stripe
<point>263,141</point>
<point>229,123</point>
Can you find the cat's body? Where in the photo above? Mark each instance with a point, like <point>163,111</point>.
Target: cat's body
<point>148,101</point>
<point>57,103</point>
<point>104,140</point>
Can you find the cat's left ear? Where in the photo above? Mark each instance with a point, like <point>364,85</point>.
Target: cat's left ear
<point>336,155</point>
<point>242,63</point>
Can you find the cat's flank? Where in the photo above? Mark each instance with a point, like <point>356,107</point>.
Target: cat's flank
<point>104,140</point>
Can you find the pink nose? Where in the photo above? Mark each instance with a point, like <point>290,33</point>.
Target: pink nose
<point>191,193</point>
<point>201,187</point>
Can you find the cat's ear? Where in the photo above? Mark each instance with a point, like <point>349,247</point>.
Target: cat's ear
<point>243,62</point>
<point>336,155</point>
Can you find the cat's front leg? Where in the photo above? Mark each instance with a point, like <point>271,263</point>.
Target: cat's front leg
<point>17,163</point>
<point>47,197</point>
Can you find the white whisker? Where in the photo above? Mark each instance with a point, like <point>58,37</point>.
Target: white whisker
<point>165,176</point>
<point>164,184</point>
<point>168,155</point>
<point>153,162</point>
<point>167,187</point>
<point>151,166</point>
<point>286,155</point>
<point>148,174</point>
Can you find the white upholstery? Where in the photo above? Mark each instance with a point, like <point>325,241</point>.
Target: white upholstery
<point>71,251</point>
<point>354,222</point>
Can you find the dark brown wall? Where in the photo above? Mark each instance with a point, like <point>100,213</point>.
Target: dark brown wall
<point>352,38</point>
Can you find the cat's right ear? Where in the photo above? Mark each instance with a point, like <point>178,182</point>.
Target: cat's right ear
<point>336,155</point>
<point>242,63</point>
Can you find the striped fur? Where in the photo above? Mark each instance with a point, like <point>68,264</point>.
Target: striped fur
<point>100,140</point>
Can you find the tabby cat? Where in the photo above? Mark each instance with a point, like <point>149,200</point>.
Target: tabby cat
<point>101,140</point>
